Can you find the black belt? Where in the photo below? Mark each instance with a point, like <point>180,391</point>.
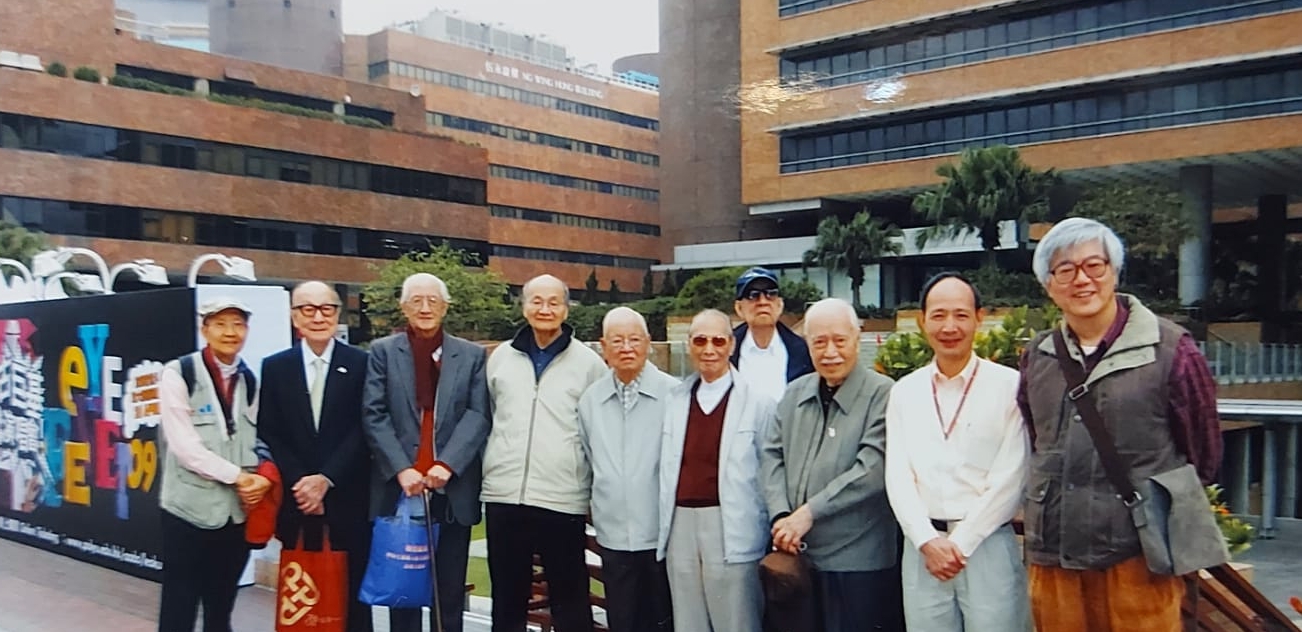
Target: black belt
<point>943,525</point>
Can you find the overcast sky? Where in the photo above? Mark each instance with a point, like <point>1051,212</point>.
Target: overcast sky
<point>598,31</point>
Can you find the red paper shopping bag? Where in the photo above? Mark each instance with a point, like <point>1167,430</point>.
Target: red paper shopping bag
<point>313,590</point>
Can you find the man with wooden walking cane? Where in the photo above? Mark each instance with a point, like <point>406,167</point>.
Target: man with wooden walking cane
<point>426,418</point>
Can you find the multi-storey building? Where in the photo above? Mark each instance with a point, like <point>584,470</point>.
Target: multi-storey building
<point>185,153</point>
<point>850,104</point>
<point>573,157</point>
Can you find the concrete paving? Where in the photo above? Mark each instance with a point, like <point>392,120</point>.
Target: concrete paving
<point>42,591</point>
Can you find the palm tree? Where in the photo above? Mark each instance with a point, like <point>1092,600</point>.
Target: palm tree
<point>850,247</point>
<point>989,185</point>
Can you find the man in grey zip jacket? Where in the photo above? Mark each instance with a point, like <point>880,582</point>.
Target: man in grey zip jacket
<point>536,477</point>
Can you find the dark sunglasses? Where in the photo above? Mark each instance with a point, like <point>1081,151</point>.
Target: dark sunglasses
<point>702,340</point>
<point>753,295</point>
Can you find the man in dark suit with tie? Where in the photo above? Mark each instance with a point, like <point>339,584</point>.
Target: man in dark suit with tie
<point>310,418</point>
<point>426,418</point>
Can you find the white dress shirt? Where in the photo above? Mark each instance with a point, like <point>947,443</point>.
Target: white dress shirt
<point>309,357</point>
<point>975,477</point>
<point>764,369</point>
<point>709,394</point>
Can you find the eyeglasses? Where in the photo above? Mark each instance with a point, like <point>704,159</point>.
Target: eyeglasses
<point>327,310</point>
<point>421,301</point>
<point>753,295</point>
<point>702,340</point>
<point>632,342</point>
<point>1094,267</point>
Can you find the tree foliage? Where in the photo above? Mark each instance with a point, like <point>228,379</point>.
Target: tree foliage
<point>19,243</point>
<point>850,247</point>
<point>715,288</point>
<point>798,295</point>
<point>1150,220</point>
<point>988,186</point>
<point>1152,223</point>
<point>481,307</point>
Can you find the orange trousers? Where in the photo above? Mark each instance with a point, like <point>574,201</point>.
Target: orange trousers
<point>1124,598</point>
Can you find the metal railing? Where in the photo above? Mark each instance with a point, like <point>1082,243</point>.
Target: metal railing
<point>1247,362</point>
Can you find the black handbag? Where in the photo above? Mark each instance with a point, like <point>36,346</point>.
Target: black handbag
<point>1177,529</point>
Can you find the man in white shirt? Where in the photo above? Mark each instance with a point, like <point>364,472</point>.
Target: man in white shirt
<point>956,457</point>
<point>768,354</point>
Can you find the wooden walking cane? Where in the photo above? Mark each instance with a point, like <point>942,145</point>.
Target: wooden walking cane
<point>433,574</point>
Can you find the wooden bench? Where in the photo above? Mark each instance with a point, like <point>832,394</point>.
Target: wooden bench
<point>540,607</point>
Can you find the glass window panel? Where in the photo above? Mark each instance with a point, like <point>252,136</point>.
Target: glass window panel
<point>859,141</point>
<point>955,43</point>
<point>1041,32</point>
<point>995,123</point>
<point>1185,97</point>
<point>996,35</point>
<point>954,128</point>
<point>1017,119</point>
<point>894,54</point>
<point>974,126</point>
<point>876,57</point>
<point>1040,116</point>
<point>1268,86</point>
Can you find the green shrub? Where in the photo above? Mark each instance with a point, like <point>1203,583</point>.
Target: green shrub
<point>136,83</point>
<point>57,69</point>
<point>86,73</point>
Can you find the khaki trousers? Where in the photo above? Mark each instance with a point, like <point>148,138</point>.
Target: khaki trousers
<point>1126,597</point>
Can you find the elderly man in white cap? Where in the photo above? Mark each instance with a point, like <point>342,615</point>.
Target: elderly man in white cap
<point>209,432</point>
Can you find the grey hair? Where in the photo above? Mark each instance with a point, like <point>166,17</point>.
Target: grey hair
<point>304,286</point>
<point>424,277</point>
<point>525,289</point>
<point>833,306</point>
<point>1073,232</point>
<point>712,313</point>
<point>623,313</point>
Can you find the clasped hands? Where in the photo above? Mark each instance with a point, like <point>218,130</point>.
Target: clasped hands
<point>943,558</point>
<point>413,482</point>
<point>251,488</point>
<point>789,532</point>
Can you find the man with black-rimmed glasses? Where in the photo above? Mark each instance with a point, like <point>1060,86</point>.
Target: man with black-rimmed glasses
<point>311,420</point>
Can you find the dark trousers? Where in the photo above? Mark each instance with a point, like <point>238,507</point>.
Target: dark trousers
<point>864,601</point>
<point>637,592</point>
<point>515,533</point>
<point>450,559</point>
<point>357,542</point>
<point>200,566</point>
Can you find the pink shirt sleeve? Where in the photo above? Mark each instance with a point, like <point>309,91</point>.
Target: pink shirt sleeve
<point>182,440</point>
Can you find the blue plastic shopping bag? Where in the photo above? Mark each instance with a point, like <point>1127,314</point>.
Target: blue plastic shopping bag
<point>399,573</point>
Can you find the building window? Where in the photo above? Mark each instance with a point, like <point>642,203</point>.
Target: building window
<point>1007,31</point>
<point>1219,94</point>
<point>429,75</point>
<point>571,182</point>
<point>20,131</point>
<point>180,227</point>
<point>449,121</point>
<point>566,219</point>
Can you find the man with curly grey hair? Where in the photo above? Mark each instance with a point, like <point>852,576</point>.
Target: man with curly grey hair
<point>1156,397</point>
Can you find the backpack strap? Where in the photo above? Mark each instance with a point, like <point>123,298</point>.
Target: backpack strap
<point>187,371</point>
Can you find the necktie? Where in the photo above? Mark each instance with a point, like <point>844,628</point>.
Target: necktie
<point>318,390</point>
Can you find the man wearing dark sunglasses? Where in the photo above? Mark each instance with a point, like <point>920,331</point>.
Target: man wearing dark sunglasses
<point>768,354</point>
<point>714,527</point>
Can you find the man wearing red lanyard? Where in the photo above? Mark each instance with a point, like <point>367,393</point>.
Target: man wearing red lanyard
<point>956,457</point>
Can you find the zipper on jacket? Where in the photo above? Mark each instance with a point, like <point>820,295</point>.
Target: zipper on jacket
<point>533,415</point>
<point>528,451</point>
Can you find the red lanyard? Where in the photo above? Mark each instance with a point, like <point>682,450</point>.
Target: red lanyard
<point>946,430</point>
